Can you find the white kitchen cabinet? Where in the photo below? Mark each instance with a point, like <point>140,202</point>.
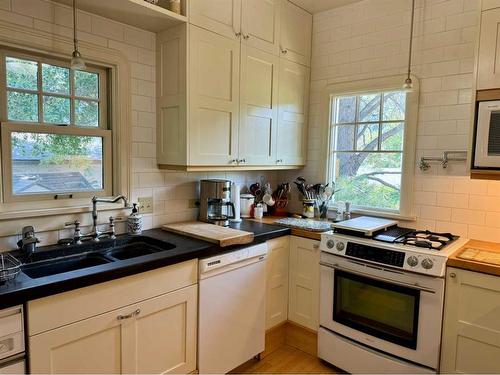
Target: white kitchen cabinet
<point>220,16</point>
<point>471,333</point>
<point>303,304</point>
<point>296,33</point>
<point>214,71</point>
<point>121,326</point>
<point>259,107</point>
<point>293,99</point>
<point>488,75</point>
<point>490,4</point>
<point>277,281</point>
<point>260,24</point>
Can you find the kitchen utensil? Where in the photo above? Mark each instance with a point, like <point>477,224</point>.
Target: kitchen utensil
<point>308,208</point>
<point>255,189</point>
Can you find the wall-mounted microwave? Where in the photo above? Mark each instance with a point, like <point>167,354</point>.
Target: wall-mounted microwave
<point>487,140</point>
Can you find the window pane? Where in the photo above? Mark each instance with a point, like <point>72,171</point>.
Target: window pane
<point>346,109</point>
<point>344,137</point>
<point>369,179</point>
<point>56,110</point>
<point>86,84</point>
<point>367,138</point>
<point>55,79</point>
<point>86,113</point>
<point>392,137</point>
<point>21,74</point>
<point>394,106</point>
<point>369,108</point>
<point>22,106</point>
<point>51,163</point>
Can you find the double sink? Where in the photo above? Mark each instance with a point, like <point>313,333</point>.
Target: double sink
<point>61,259</point>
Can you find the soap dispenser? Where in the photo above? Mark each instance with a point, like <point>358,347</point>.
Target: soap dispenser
<point>134,221</point>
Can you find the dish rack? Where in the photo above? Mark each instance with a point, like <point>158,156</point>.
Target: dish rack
<point>9,267</point>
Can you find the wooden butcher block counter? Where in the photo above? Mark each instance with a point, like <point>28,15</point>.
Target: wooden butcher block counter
<point>479,256</point>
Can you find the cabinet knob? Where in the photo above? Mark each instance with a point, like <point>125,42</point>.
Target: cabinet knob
<point>279,161</point>
<point>453,275</point>
<point>234,161</point>
<point>284,51</point>
<point>246,37</point>
<point>238,35</point>
<point>315,246</point>
<point>242,161</point>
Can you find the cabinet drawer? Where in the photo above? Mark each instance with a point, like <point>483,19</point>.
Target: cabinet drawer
<point>65,308</point>
<point>11,321</point>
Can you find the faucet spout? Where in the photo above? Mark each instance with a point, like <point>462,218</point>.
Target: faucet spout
<point>95,232</point>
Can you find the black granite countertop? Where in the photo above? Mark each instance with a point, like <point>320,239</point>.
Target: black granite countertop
<point>24,288</point>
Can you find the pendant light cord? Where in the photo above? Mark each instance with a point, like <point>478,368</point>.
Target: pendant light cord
<point>75,40</point>
<point>411,36</point>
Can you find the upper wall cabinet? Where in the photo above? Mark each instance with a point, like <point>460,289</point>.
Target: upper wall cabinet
<point>490,4</point>
<point>220,16</point>
<point>260,24</point>
<point>488,75</point>
<point>296,33</point>
<point>229,99</point>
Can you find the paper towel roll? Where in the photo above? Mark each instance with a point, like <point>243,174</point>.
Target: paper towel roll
<point>235,198</point>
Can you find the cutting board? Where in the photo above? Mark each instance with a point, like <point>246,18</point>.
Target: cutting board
<point>216,234</point>
<point>479,255</point>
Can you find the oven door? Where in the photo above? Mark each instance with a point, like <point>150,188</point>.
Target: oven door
<point>487,150</point>
<point>396,312</point>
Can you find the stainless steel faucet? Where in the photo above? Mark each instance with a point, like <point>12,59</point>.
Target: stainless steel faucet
<point>28,241</point>
<point>96,233</point>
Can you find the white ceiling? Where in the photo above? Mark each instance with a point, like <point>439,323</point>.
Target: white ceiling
<point>316,6</point>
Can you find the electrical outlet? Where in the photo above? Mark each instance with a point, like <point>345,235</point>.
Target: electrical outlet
<point>145,205</point>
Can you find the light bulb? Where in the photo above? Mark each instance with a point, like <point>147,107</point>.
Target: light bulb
<point>408,85</point>
<point>77,62</point>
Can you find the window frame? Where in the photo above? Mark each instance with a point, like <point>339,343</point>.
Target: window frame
<point>368,86</point>
<point>8,127</point>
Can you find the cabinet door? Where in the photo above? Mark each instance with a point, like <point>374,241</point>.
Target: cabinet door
<point>488,75</point>
<point>220,16</point>
<point>260,24</point>
<point>303,302</point>
<point>490,4</point>
<point>91,346</point>
<point>259,107</point>
<point>214,98</point>
<point>471,333</point>
<point>296,33</point>
<point>165,340</point>
<point>293,101</point>
<point>277,281</point>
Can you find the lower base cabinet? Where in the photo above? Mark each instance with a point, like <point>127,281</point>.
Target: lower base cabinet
<point>151,337</point>
<point>303,304</point>
<point>471,333</point>
<point>277,281</point>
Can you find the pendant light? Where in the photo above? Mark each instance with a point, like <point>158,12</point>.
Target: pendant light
<point>408,85</point>
<point>77,62</point>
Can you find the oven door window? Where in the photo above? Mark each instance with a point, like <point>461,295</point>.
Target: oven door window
<point>378,308</point>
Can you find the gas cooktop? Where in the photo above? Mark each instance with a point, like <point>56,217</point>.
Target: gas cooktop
<point>420,238</point>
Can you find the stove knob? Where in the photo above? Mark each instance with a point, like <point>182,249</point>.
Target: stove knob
<point>427,263</point>
<point>340,246</point>
<point>330,244</point>
<point>412,261</point>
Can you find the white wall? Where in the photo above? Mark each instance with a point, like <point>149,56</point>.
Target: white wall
<point>171,190</point>
<point>370,39</point>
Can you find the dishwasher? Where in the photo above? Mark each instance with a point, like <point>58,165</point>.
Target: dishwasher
<point>232,299</point>
<point>12,341</point>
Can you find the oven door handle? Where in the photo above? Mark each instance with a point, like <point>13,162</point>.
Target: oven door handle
<point>335,266</point>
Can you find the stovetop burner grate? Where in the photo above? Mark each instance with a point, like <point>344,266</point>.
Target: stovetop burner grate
<point>427,239</point>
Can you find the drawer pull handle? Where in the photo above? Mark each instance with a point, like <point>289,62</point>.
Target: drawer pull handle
<point>128,316</point>
<point>453,275</point>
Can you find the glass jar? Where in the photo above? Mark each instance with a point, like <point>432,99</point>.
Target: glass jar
<point>308,208</point>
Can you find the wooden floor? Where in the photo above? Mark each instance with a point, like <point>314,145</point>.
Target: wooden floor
<point>286,360</point>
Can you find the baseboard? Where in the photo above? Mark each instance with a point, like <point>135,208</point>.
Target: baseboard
<point>291,334</point>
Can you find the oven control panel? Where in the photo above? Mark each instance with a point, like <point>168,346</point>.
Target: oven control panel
<point>392,256</point>
<point>375,254</point>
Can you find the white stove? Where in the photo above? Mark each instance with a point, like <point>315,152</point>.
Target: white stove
<point>401,256</point>
<point>382,299</point>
